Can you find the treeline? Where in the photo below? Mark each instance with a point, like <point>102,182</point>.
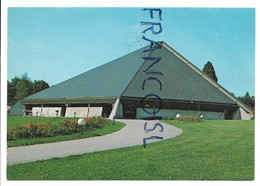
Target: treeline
<point>248,100</point>
<point>21,87</point>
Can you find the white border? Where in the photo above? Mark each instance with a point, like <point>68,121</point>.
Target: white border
<point>104,3</point>
<point>131,3</point>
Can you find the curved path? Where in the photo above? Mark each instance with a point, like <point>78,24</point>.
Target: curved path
<point>130,135</point>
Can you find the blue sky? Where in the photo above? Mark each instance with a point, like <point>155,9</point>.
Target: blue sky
<point>55,44</point>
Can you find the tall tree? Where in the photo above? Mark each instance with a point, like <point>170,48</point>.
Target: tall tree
<point>209,70</point>
<point>11,91</point>
<point>23,88</point>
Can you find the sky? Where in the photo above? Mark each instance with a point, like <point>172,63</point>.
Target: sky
<point>55,44</point>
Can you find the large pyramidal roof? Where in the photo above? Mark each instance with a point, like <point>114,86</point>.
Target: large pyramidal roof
<point>124,77</point>
<point>109,79</point>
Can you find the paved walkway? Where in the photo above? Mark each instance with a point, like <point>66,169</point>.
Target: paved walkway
<point>130,135</point>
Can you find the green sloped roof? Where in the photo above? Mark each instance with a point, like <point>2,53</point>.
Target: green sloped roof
<point>179,81</point>
<point>109,79</point>
<point>124,77</point>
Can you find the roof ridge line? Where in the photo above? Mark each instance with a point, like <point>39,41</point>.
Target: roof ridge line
<point>215,84</point>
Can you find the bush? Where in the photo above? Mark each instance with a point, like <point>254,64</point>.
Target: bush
<point>49,129</point>
<point>96,122</point>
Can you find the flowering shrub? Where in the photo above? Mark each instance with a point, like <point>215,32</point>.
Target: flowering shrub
<point>189,119</point>
<point>49,129</point>
<point>95,122</point>
<point>11,133</point>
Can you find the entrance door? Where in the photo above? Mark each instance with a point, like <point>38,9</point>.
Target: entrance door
<point>129,111</point>
<point>228,114</point>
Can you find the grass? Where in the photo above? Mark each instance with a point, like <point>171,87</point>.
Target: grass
<point>18,120</point>
<point>212,150</point>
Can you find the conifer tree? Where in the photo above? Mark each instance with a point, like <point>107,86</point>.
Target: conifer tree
<point>209,70</point>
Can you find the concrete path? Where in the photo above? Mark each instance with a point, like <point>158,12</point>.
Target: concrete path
<point>130,135</point>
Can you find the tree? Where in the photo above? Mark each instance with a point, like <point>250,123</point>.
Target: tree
<point>21,87</point>
<point>248,100</point>
<point>209,70</point>
<point>39,85</point>
<point>11,91</point>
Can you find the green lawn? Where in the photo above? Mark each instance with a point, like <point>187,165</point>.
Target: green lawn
<point>212,150</point>
<point>13,121</point>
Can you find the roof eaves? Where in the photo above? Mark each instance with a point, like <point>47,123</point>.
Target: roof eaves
<point>109,99</point>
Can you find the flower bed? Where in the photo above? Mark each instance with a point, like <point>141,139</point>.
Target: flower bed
<point>49,129</point>
<point>189,119</point>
